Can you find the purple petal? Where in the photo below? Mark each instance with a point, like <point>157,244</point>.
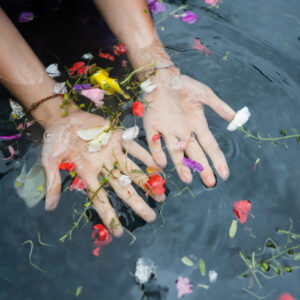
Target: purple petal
<point>158,7</point>
<point>77,88</point>
<point>26,16</point>
<point>86,86</point>
<point>193,165</point>
<point>189,17</point>
<point>10,137</point>
<point>151,2</point>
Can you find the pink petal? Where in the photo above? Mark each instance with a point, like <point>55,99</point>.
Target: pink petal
<point>95,95</point>
<point>286,296</point>
<point>11,151</point>
<point>183,286</point>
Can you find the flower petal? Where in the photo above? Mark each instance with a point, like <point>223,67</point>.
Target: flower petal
<point>130,133</point>
<point>91,133</point>
<point>241,118</point>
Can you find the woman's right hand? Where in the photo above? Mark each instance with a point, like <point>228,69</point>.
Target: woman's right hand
<point>61,144</point>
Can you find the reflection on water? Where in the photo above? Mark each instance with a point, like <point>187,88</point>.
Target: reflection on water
<point>261,70</point>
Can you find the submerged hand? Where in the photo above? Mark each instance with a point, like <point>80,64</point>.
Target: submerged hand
<point>176,112</point>
<point>61,144</point>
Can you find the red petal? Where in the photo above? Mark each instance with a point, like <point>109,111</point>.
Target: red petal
<point>286,296</point>
<point>106,56</point>
<point>156,137</point>
<point>138,109</point>
<point>241,209</point>
<point>96,251</point>
<point>156,182</point>
<point>122,48</point>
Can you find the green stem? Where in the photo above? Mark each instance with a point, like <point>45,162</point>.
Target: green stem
<point>136,71</point>
<point>289,233</point>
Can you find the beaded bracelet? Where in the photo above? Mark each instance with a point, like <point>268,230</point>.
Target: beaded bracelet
<point>34,105</point>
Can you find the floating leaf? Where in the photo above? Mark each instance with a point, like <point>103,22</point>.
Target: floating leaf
<point>233,229</point>
<point>283,132</point>
<point>202,266</point>
<point>187,261</point>
<point>297,256</point>
<point>204,286</point>
<point>78,291</point>
<point>40,188</point>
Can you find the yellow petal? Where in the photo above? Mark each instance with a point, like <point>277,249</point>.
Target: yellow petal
<point>101,140</point>
<point>90,133</point>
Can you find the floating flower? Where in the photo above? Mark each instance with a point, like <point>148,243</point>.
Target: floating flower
<point>199,46</point>
<point>183,286</point>
<point>11,151</point>
<point>286,296</point>
<point>212,276</point>
<point>101,237</point>
<point>193,165</point>
<point>156,184</point>
<point>95,95</point>
<point>189,17</point>
<point>26,16</point>
<point>78,184</point>
<point>124,180</point>
<point>147,86</point>
<point>130,133</point>
<point>106,56</point>
<point>10,137</point>
<point>60,88</point>
<point>119,49</point>
<point>87,56</point>
<point>156,137</point>
<point>240,118</point>
<point>68,166</point>
<point>97,137</point>
<point>211,2</point>
<point>110,85</point>
<point>151,170</point>
<point>156,6</point>
<point>138,108</point>
<point>53,71</point>
<point>80,68</point>
<point>145,268</point>
<point>17,110</point>
<point>242,209</point>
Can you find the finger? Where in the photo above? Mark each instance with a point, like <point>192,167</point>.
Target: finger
<point>211,147</point>
<point>129,195</point>
<point>128,167</point>
<point>177,156</point>
<point>103,207</point>
<point>194,152</point>
<point>155,148</point>
<point>139,153</point>
<point>53,181</point>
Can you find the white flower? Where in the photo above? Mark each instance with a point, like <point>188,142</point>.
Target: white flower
<point>212,275</point>
<point>60,88</point>
<point>53,71</point>
<point>144,269</point>
<point>124,180</point>
<point>147,86</point>
<point>130,133</point>
<point>97,137</point>
<point>17,110</point>
<point>241,118</point>
<point>87,56</point>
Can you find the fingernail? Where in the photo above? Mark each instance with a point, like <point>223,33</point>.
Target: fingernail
<point>224,173</point>
<point>211,180</point>
<point>160,198</point>
<point>188,176</point>
<point>150,217</point>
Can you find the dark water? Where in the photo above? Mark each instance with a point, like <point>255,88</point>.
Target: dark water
<point>262,71</point>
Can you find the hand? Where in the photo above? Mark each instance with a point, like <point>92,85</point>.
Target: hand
<point>61,143</point>
<point>176,112</point>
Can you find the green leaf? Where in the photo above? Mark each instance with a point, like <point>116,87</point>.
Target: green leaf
<point>82,105</point>
<point>202,266</point>
<point>40,188</point>
<point>68,84</point>
<point>283,132</point>
<point>66,96</point>
<point>78,291</point>
<point>65,113</point>
<point>106,86</point>
<point>297,256</point>
<point>187,261</point>
<point>204,286</point>
<point>233,229</point>
<point>72,173</point>
<point>145,10</point>
<point>19,184</point>
<point>298,139</point>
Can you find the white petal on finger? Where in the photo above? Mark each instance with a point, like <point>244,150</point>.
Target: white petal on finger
<point>124,180</point>
<point>130,133</point>
<point>242,116</point>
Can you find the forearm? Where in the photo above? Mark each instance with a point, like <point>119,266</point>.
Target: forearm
<point>131,22</point>
<point>23,74</point>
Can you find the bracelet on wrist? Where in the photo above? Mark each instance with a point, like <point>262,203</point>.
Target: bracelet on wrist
<point>34,105</point>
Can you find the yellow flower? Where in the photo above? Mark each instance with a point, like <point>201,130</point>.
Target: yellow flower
<point>110,85</point>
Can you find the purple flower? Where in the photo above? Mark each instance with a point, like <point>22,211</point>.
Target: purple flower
<point>156,6</point>
<point>77,88</point>
<point>193,165</point>
<point>86,86</point>
<point>10,137</point>
<point>189,17</point>
<point>26,16</point>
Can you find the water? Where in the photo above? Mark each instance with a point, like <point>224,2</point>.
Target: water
<point>262,71</point>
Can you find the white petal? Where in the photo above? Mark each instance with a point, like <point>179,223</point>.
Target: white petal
<point>241,118</point>
<point>60,88</point>
<point>100,140</point>
<point>144,269</point>
<point>52,70</point>
<point>130,133</point>
<point>124,180</point>
<point>212,275</point>
<point>90,133</point>
<point>94,148</point>
<point>147,86</point>
<point>17,109</point>
<point>87,56</point>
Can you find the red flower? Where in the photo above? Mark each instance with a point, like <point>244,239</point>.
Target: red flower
<point>138,109</point>
<point>156,183</point>
<point>101,237</point>
<point>69,166</point>
<point>156,137</point>
<point>242,209</point>
<point>106,56</point>
<point>286,296</point>
<point>78,184</point>
<point>80,68</point>
<point>120,49</point>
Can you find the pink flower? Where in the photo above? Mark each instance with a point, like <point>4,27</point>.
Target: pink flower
<point>211,2</point>
<point>11,151</point>
<point>95,95</point>
<point>286,296</point>
<point>199,46</point>
<point>78,184</point>
<point>189,17</point>
<point>183,286</point>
